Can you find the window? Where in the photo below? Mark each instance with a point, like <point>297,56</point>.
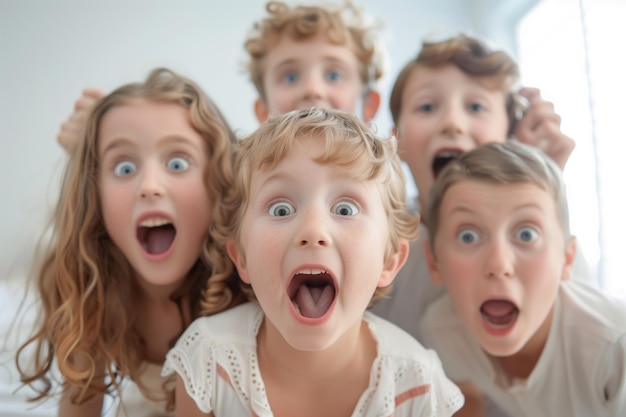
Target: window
<point>572,51</point>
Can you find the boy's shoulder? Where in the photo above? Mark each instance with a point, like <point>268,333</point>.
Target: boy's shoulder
<point>586,308</point>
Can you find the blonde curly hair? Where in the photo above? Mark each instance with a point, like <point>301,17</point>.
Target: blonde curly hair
<point>349,143</point>
<point>342,25</point>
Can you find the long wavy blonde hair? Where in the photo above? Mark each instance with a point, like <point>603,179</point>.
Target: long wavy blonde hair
<point>87,287</point>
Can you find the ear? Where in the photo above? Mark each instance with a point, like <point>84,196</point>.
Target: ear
<point>431,262</point>
<point>394,264</point>
<point>237,257</point>
<point>371,102</point>
<point>570,254</point>
<point>260,110</point>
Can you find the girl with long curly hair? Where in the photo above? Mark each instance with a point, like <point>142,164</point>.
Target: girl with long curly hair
<point>131,251</point>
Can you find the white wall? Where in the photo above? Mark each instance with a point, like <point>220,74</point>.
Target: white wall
<point>50,50</point>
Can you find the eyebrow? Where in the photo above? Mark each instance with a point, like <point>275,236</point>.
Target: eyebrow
<point>466,208</point>
<point>122,141</point>
<point>116,143</point>
<point>326,58</point>
<point>277,176</point>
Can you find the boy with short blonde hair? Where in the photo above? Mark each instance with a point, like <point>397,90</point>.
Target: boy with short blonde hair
<point>512,322</point>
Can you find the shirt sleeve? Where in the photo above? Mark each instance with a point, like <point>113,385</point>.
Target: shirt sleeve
<point>447,397</point>
<point>192,359</point>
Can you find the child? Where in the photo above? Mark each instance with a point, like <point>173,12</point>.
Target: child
<point>458,94</point>
<point>314,56</point>
<point>128,268</point>
<point>535,342</point>
<point>316,224</point>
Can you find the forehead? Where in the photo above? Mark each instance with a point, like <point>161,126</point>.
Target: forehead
<point>141,120</point>
<point>449,77</point>
<point>487,198</point>
<point>142,113</point>
<point>312,49</point>
<point>320,150</point>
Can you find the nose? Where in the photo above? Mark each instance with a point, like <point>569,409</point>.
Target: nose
<point>313,86</point>
<point>453,121</point>
<point>151,185</point>
<point>313,230</point>
<point>499,259</point>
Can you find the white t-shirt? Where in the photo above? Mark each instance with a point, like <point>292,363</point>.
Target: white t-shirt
<point>217,360</point>
<point>581,371</point>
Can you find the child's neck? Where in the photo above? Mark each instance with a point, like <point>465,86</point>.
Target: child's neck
<point>521,364</point>
<point>158,294</point>
<point>159,320</point>
<point>328,382</point>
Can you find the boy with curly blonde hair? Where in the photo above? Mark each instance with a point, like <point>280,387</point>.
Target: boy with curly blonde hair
<point>307,56</point>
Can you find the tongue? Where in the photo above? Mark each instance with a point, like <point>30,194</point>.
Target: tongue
<point>159,239</point>
<point>314,301</point>
<point>499,311</point>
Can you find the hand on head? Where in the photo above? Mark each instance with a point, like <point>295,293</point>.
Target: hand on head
<point>74,126</point>
<point>541,128</point>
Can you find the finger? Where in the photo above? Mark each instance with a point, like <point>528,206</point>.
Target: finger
<point>530,93</point>
<point>85,103</point>
<point>549,138</point>
<point>539,113</point>
<point>93,92</point>
<point>89,98</point>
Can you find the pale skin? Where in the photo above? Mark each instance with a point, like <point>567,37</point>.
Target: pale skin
<point>314,72</point>
<point>152,172</point>
<point>445,112</point>
<point>501,248</point>
<point>306,215</point>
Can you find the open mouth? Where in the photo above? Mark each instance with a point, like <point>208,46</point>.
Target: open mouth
<point>499,313</point>
<point>312,292</point>
<point>156,235</point>
<point>442,159</point>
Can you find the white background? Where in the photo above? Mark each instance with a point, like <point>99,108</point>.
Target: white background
<point>50,50</point>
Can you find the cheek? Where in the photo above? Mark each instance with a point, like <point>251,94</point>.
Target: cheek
<point>457,270</point>
<point>348,99</point>
<point>413,137</point>
<point>494,130</point>
<point>114,203</point>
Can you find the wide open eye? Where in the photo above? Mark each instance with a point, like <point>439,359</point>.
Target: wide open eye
<point>476,107</point>
<point>290,77</point>
<point>468,236</point>
<point>333,76</point>
<point>178,163</point>
<point>527,234</point>
<point>281,209</point>
<point>346,208</point>
<point>124,168</point>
